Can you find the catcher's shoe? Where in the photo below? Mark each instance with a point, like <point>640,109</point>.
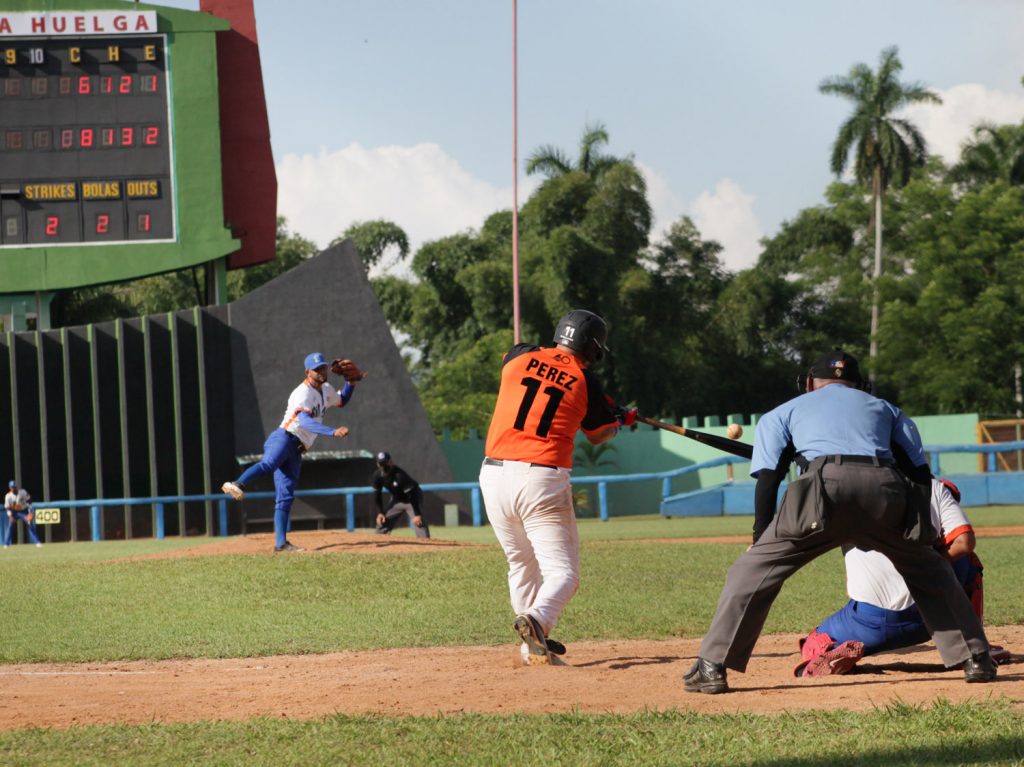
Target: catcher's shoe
<point>532,634</point>
<point>288,546</point>
<point>980,668</point>
<point>233,489</point>
<point>839,660</point>
<point>705,676</point>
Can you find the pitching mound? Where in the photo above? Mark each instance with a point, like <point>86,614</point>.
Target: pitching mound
<point>617,677</point>
<point>314,542</point>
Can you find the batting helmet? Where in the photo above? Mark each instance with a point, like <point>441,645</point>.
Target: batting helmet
<point>383,458</point>
<point>585,333</point>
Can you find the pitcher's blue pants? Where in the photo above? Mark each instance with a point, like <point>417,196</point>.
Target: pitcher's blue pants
<point>282,454</point>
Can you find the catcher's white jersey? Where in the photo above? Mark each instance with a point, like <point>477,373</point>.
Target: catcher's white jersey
<point>872,578</point>
<point>306,399</point>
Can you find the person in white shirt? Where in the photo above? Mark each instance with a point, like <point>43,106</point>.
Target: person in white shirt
<point>18,505</point>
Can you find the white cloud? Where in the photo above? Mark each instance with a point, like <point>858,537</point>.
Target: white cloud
<point>947,126</point>
<point>666,207</point>
<point>727,215</point>
<point>420,188</point>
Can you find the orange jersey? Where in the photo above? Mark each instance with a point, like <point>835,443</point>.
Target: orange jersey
<point>544,399</point>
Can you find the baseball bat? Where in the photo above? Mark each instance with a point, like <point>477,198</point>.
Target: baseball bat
<point>742,449</point>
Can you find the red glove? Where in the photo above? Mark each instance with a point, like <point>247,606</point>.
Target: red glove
<point>626,417</point>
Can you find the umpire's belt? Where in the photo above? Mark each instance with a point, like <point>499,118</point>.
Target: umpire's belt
<point>870,460</point>
<point>821,460</point>
<point>499,462</point>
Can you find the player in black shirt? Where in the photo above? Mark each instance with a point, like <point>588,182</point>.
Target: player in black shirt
<point>406,497</point>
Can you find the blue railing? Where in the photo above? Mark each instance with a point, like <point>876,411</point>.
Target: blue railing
<point>476,507</point>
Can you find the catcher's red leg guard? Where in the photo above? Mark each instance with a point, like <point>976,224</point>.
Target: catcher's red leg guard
<point>812,646</point>
<point>838,660</point>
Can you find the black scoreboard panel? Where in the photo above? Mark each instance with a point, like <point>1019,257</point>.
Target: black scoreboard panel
<point>85,144</point>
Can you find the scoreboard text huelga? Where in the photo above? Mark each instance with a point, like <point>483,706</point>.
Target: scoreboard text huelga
<point>86,151</point>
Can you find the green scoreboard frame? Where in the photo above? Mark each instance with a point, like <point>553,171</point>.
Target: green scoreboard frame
<point>110,164</point>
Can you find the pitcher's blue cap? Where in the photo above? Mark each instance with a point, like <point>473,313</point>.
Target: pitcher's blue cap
<point>12,483</point>
<point>315,360</point>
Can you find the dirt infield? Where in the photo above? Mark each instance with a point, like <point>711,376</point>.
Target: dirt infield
<point>609,676</point>
<point>617,677</point>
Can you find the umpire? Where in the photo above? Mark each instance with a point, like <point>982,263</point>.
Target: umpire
<point>406,497</point>
<point>850,491</point>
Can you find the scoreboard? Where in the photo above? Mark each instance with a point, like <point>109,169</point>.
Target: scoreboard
<point>86,152</point>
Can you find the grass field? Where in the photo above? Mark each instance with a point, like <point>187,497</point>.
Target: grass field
<point>72,603</point>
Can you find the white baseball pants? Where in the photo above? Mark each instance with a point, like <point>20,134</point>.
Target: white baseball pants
<point>530,509</point>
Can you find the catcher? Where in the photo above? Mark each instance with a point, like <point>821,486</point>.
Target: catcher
<point>881,614</point>
<point>303,421</point>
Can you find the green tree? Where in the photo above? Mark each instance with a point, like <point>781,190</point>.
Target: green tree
<point>885,148</point>
<point>372,239</point>
<point>995,153</point>
<point>291,250</point>
<point>955,331</point>
<point>553,162</point>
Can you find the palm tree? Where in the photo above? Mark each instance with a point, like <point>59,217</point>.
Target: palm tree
<point>552,161</point>
<point>995,153</point>
<point>590,456</point>
<point>888,148</point>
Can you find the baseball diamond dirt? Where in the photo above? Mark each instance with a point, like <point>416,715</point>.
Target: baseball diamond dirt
<point>607,676</point>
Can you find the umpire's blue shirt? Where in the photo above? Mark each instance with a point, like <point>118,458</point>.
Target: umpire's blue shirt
<point>834,420</point>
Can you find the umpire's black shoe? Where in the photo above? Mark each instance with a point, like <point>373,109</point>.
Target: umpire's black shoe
<point>288,546</point>
<point>705,676</point>
<point>980,668</point>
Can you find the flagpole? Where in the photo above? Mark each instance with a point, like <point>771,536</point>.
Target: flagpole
<point>515,174</point>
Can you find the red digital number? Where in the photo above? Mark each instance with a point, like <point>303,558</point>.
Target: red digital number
<point>127,136</point>
<point>102,223</point>
<point>106,84</point>
<point>143,222</point>
<point>149,84</point>
<point>85,138</point>
<point>126,84</point>
<point>84,86</point>
<point>52,225</point>
<point>67,138</point>
<point>152,137</point>
<point>107,136</point>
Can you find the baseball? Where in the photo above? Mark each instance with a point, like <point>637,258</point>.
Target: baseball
<point>734,431</point>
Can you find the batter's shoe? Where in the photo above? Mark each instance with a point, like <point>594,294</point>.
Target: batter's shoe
<point>705,676</point>
<point>532,634</point>
<point>288,546</point>
<point>233,489</point>
<point>554,646</point>
<point>980,668</point>
<point>839,660</point>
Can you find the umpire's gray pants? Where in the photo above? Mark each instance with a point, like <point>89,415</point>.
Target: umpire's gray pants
<point>829,505</point>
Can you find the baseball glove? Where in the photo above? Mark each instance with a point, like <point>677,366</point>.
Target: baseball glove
<point>348,370</point>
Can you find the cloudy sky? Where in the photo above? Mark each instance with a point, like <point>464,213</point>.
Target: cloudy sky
<point>402,109</point>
